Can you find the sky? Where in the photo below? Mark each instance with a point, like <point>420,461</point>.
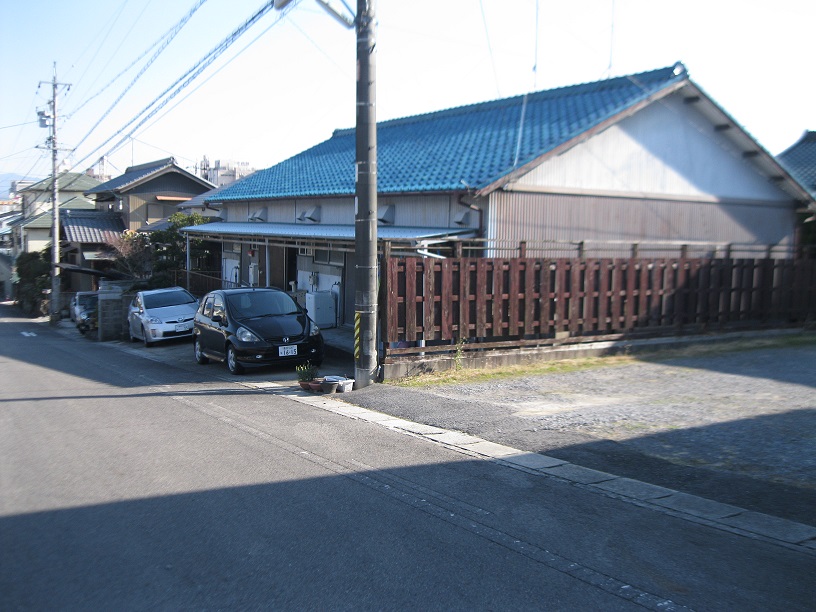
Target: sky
<point>288,82</point>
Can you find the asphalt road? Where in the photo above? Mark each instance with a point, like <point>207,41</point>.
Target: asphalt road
<point>737,427</point>
<point>131,482</point>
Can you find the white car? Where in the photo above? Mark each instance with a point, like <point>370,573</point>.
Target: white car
<point>161,314</point>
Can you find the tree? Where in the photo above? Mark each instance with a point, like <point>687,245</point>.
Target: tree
<point>34,272</point>
<point>134,254</point>
<point>170,245</point>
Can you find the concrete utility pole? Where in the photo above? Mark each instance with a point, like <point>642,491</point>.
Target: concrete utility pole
<point>55,224</point>
<point>365,215</point>
<point>365,201</point>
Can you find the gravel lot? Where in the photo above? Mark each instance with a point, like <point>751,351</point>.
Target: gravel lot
<point>736,426</point>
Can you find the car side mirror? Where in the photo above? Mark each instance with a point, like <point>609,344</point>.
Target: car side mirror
<point>217,318</point>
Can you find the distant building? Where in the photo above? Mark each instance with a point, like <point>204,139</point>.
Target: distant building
<point>224,172</point>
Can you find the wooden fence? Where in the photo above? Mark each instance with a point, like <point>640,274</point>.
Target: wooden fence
<point>463,304</point>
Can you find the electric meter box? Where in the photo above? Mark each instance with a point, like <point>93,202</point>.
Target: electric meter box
<point>321,308</point>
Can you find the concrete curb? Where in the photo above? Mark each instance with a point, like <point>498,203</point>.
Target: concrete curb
<point>689,507</point>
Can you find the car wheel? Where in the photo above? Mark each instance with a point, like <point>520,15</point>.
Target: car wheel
<point>145,338</point>
<point>199,354</point>
<point>232,361</point>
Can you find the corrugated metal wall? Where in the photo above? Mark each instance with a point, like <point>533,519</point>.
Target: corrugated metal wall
<point>607,225</point>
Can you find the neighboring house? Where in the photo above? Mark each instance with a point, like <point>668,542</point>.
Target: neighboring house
<point>6,221</point>
<point>800,161</point>
<point>85,236</point>
<point>645,159</point>
<point>36,198</point>
<point>148,193</point>
<point>32,232</point>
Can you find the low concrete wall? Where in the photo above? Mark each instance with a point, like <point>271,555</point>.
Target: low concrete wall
<point>112,309</point>
<point>496,359</point>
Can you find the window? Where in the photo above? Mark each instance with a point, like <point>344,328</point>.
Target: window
<point>207,308</point>
<point>218,307</point>
<point>323,256</point>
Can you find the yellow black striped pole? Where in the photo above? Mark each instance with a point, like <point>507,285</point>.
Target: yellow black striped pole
<point>356,335</point>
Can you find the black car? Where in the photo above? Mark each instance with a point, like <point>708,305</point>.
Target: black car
<point>254,326</point>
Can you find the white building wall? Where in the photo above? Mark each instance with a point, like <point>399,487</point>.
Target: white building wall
<point>668,148</point>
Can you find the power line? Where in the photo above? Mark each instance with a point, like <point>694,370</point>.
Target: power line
<point>6,127</point>
<point>490,49</point>
<point>227,63</point>
<point>108,29</point>
<point>184,80</point>
<point>155,56</point>
<point>169,35</point>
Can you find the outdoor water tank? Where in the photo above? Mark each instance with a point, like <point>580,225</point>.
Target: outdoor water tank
<point>321,308</point>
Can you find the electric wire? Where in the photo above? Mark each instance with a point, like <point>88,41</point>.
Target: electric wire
<point>6,127</point>
<point>170,33</point>
<point>188,77</point>
<point>227,63</point>
<point>144,69</point>
<point>490,48</point>
<point>108,29</point>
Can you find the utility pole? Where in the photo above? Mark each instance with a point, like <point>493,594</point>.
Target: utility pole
<point>366,274</point>
<point>365,215</point>
<point>55,224</point>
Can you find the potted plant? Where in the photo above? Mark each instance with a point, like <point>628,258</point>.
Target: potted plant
<point>306,373</point>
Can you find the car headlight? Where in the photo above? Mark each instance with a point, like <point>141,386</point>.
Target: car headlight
<point>84,316</point>
<point>154,320</point>
<point>314,329</point>
<point>244,335</point>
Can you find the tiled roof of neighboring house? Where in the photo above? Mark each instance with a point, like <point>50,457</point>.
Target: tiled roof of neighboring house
<point>91,226</point>
<point>68,181</point>
<point>43,219</point>
<point>456,149</point>
<point>800,160</point>
<point>136,174</point>
<point>200,200</point>
<point>78,203</point>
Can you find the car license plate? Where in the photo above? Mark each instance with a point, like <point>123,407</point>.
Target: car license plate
<point>287,351</point>
<point>180,327</point>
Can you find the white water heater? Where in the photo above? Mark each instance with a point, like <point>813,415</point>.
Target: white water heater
<point>321,308</point>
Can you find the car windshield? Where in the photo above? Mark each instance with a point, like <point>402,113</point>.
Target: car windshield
<point>86,300</point>
<point>261,304</point>
<point>167,298</point>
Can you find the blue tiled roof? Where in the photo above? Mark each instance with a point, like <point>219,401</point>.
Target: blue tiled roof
<point>475,145</point>
<point>800,161</point>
